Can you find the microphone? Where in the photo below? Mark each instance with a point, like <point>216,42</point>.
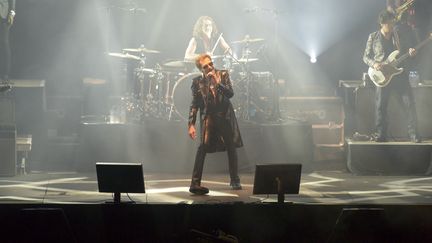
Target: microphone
<point>209,75</point>
<point>211,78</point>
<point>251,10</point>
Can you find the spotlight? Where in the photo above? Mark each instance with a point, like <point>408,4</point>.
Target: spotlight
<point>313,59</point>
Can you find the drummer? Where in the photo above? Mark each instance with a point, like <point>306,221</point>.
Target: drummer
<point>205,39</point>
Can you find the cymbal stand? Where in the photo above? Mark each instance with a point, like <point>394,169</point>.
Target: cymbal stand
<point>160,103</point>
<point>246,52</point>
<point>145,102</point>
<point>276,14</point>
<point>247,110</point>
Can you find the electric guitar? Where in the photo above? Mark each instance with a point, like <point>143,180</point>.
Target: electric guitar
<point>390,67</point>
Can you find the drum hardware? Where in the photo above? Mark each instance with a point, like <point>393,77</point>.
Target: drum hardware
<point>256,97</point>
<point>176,64</point>
<point>124,56</point>
<point>247,60</point>
<point>141,49</point>
<point>150,93</point>
<point>265,74</point>
<point>163,91</point>
<point>246,51</point>
<point>248,112</point>
<point>244,106</point>
<point>127,109</point>
<point>143,97</point>
<point>276,16</point>
<point>179,99</point>
<point>244,109</point>
<point>227,63</point>
<point>247,40</point>
<point>249,103</point>
<point>216,57</point>
<point>143,70</point>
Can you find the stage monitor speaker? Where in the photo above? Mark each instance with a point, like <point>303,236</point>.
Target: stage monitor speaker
<point>120,177</point>
<point>390,158</point>
<point>360,225</point>
<point>7,150</point>
<point>277,179</point>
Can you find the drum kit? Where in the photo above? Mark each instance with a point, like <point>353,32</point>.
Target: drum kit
<point>163,92</point>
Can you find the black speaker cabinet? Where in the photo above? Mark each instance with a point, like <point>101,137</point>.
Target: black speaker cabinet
<point>7,110</point>
<point>7,150</point>
<point>315,110</point>
<point>289,142</point>
<point>30,105</point>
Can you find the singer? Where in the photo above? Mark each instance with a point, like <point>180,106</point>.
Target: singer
<point>219,131</point>
<point>205,39</point>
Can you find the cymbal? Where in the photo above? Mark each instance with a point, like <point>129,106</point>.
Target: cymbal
<point>178,64</point>
<point>245,60</point>
<point>213,57</point>
<point>141,49</point>
<point>247,39</point>
<point>125,56</point>
<point>187,61</point>
<point>175,64</point>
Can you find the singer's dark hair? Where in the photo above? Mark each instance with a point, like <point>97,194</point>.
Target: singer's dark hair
<point>199,58</point>
<point>197,29</point>
<point>385,17</point>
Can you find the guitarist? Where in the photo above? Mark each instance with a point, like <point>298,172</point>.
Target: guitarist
<point>379,45</point>
<point>7,14</point>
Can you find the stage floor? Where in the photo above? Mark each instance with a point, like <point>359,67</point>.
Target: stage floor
<point>323,187</point>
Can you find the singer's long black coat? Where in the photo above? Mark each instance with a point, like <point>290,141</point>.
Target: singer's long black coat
<point>200,95</point>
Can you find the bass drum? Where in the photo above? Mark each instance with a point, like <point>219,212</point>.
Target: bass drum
<point>182,95</point>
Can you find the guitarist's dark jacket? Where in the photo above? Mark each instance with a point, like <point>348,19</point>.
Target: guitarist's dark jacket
<point>201,99</point>
<point>403,39</point>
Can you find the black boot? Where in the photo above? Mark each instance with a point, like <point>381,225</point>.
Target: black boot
<point>198,190</point>
<point>196,187</point>
<point>235,185</point>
